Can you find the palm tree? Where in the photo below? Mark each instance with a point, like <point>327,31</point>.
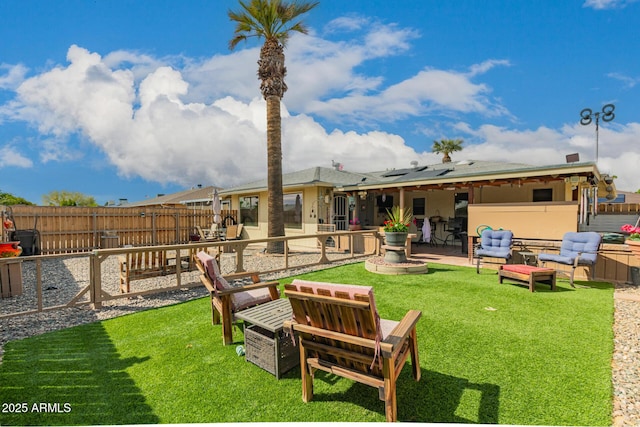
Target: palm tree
<point>273,20</point>
<point>446,147</point>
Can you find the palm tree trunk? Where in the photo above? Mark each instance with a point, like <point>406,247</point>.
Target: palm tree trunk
<point>274,174</point>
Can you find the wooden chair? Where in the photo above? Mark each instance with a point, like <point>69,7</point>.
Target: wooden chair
<point>339,331</point>
<point>208,235</point>
<point>234,232</point>
<point>228,299</point>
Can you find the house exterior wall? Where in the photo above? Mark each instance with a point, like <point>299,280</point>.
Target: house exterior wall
<point>518,194</point>
<point>313,208</point>
<point>548,221</point>
<point>505,206</point>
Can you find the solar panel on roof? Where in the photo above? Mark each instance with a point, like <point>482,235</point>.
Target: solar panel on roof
<point>401,172</point>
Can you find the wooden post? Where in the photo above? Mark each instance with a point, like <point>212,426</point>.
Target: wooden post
<point>39,283</point>
<point>11,278</point>
<point>95,276</point>
<point>323,249</point>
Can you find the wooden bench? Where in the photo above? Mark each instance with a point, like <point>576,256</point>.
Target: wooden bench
<point>145,264</point>
<point>528,275</point>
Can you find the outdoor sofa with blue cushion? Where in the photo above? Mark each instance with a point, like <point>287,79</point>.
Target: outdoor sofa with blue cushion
<point>577,248</point>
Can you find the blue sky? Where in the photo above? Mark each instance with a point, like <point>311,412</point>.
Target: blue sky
<point>128,99</point>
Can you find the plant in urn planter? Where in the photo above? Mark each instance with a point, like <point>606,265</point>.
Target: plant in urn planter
<point>396,228</point>
<point>354,224</point>
<point>633,240</point>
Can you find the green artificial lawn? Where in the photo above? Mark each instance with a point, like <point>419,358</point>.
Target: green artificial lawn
<point>489,353</point>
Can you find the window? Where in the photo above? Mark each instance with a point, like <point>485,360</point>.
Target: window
<point>543,195</point>
<point>249,210</point>
<point>384,202</point>
<point>418,206</point>
<point>292,207</point>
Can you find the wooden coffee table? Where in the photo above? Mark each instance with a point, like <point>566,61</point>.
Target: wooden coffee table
<point>528,275</point>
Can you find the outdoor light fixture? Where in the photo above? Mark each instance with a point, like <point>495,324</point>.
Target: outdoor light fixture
<point>587,115</point>
<point>362,194</point>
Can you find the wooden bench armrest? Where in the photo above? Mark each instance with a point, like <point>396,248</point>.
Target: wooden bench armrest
<point>388,346</point>
<point>209,285</point>
<point>233,276</point>
<point>292,326</point>
<point>251,287</point>
<point>393,341</point>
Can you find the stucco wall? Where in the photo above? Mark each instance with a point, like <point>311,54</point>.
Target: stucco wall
<point>527,220</point>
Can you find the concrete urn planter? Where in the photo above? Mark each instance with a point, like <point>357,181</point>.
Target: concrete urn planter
<point>396,238</point>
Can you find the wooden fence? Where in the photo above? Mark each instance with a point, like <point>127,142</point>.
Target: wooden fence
<point>81,229</point>
<point>53,282</point>
<point>619,208</point>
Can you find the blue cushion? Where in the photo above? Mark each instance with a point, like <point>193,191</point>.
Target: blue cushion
<point>494,253</point>
<point>556,258</point>
<point>495,243</point>
<point>573,243</point>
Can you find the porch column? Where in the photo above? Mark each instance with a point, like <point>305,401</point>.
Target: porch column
<point>401,202</point>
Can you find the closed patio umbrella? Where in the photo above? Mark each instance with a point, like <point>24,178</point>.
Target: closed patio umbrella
<point>217,207</point>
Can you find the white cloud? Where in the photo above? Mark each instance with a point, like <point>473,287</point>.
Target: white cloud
<point>184,121</point>
<point>429,90</point>
<point>629,82</point>
<point>607,4</point>
<point>544,146</point>
<point>9,156</point>
<point>13,76</point>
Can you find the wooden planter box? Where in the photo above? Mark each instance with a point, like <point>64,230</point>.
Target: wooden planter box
<point>11,278</point>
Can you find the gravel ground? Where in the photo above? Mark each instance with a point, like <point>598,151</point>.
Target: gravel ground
<point>64,278</point>
<point>626,357</point>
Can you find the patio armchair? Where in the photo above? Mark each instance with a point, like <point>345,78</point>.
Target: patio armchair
<point>577,248</point>
<point>230,295</point>
<point>494,244</point>
<point>208,235</point>
<point>339,331</point>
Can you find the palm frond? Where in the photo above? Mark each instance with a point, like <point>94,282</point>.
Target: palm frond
<point>269,19</point>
